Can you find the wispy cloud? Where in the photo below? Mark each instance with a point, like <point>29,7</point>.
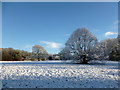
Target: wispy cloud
<point>116,22</point>
<point>110,33</point>
<point>67,34</point>
<point>113,29</point>
<point>96,30</point>
<point>51,44</point>
<point>115,25</point>
<point>28,47</point>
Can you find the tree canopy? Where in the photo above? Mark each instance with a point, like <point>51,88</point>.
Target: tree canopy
<point>39,52</point>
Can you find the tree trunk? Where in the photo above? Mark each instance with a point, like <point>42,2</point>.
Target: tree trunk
<point>84,59</point>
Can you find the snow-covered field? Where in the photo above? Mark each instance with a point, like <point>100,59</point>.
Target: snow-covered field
<point>58,74</point>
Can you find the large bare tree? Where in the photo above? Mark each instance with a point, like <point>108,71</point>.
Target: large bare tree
<point>81,45</point>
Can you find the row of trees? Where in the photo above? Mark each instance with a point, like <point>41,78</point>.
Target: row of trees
<point>83,46</point>
<point>10,54</point>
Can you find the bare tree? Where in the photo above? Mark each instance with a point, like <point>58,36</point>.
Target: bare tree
<point>81,44</point>
<point>105,47</point>
<point>65,53</point>
<point>39,52</point>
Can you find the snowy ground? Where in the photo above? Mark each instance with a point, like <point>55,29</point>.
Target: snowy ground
<point>58,74</point>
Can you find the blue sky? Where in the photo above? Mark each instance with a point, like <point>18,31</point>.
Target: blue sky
<point>49,24</point>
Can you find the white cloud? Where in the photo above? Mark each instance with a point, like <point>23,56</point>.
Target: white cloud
<point>110,33</point>
<point>51,44</point>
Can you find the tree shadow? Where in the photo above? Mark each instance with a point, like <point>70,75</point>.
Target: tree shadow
<point>34,62</point>
<point>58,82</point>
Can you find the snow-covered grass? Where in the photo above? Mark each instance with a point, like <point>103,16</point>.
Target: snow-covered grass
<point>58,74</point>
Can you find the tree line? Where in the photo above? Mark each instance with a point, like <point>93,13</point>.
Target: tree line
<point>10,54</point>
<point>38,53</point>
<point>82,46</point>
